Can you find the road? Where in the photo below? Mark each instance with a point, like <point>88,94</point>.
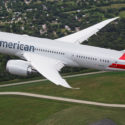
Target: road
<point>41,80</point>
<point>59,98</point>
<point>63,99</point>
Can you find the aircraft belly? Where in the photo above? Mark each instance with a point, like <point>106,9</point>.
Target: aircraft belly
<point>7,51</point>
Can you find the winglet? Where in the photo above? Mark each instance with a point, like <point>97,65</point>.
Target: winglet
<point>105,22</point>
<point>66,85</point>
<point>85,34</point>
<point>113,19</point>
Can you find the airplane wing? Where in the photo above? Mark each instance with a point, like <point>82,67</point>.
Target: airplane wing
<point>85,34</point>
<point>48,67</point>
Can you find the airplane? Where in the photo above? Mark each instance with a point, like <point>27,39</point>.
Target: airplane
<point>48,57</point>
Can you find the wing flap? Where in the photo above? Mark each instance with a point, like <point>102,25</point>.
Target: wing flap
<point>85,34</point>
<point>48,68</point>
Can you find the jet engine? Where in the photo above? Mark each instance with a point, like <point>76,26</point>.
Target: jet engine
<point>19,67</point>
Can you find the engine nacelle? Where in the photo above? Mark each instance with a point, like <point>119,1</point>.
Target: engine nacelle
<point>19,67</point>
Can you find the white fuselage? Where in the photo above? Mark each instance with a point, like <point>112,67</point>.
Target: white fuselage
<point>70,54</point>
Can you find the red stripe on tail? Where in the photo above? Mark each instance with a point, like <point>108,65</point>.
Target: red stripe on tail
<point>122,57</point>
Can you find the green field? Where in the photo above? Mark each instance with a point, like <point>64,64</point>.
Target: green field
<point>106,87</point>
<point>24,79</point>
<point>29,111</point>
<point>122,14</point>
<point>115,6</point>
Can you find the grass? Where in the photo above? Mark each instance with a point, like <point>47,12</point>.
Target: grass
<point>106,87</point>
<point>27,111</point>
<point>24,79</point>
<point>30,111</point>
<point>113,6</point>
<point>19,80</point>
<point>122,14</point>
<point>85,115</point>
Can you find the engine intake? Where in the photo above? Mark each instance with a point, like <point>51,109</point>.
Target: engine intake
<point>19,67</point>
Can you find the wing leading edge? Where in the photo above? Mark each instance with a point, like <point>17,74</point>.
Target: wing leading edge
<point>85,34</point>
<point>48,67</point>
